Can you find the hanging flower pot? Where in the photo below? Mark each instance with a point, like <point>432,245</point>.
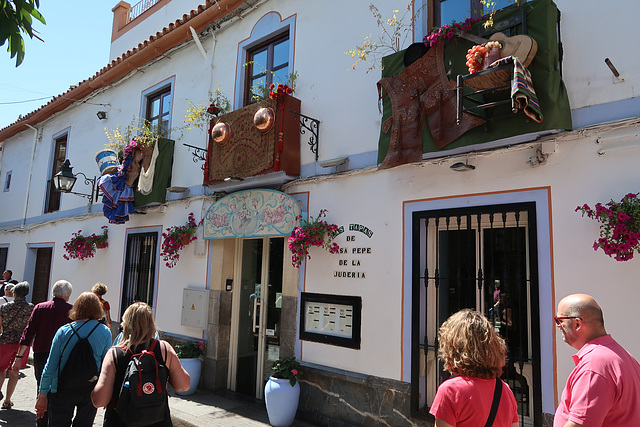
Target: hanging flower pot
<point>619,226</point>
<point>176,238</point>
<point>314,232</point>
<point>82,247</point>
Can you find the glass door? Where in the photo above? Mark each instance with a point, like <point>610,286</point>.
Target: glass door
<point>256,316</point>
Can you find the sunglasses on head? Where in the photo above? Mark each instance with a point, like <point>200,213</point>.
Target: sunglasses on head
<point>559,320</point>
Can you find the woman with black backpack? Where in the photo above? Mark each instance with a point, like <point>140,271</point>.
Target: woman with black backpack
<point>138,362</point>
<point>73,365</point>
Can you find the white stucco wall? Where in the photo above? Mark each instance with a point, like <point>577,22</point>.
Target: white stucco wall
<point>587,77</point>
<point>346,103</point>
<point>376,200</point>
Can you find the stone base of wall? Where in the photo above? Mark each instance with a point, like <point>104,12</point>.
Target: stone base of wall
<point>330,397</point>
<point>216,362</point>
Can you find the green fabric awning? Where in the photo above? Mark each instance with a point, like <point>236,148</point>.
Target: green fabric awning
<point>161,177</point>
<point>542,17</point>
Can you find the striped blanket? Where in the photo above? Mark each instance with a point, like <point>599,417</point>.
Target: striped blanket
<point>522,90</point>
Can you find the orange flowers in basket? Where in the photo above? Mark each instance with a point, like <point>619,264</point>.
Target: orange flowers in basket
<point>479,57</point>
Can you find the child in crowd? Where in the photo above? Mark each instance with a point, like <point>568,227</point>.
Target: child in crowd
<point>100,289</point>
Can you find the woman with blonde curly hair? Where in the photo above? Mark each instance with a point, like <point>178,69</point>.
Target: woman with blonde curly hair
<point>475,354</point>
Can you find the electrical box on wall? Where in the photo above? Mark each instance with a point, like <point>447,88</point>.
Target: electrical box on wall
<point>195,308</point>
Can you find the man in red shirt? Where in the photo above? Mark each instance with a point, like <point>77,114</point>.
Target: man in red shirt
<point>604,387</point>
<point>44,322</point>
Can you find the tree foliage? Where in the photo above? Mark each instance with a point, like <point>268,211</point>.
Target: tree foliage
<point>16,17</point>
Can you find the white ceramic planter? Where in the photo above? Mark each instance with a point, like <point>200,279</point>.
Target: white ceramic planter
<point>193,367</point>
<point>282,401</point>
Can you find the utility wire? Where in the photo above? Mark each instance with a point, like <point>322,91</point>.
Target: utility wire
<point>28,100</point>
<point>48,97</point>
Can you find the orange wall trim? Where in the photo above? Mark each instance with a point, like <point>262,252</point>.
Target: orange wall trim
<point>120,15</point>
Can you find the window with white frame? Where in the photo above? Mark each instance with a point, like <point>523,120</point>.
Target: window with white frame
<point>265,57</point>
<point>156,106</point>
<point>7,181</point>
<point>52,203</point>
<point>267,63</point>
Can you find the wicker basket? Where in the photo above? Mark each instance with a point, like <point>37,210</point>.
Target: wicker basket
<point>488,79</point>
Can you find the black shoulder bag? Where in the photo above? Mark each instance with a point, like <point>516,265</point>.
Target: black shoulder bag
<point>496,402</point>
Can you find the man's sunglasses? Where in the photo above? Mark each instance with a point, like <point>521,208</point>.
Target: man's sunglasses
<point>559,320</point>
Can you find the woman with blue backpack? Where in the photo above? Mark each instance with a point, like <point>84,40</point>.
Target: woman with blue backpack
<point>133,381</point>
<point>73,365</point>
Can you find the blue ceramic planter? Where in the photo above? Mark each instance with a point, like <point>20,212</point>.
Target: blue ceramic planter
<point>282,401</point>
<point>193,367</point>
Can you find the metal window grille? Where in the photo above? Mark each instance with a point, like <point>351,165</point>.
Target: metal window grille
<point>483,258</point>
<point>140,269</point>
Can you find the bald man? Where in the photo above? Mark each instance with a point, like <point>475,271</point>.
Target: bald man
<point>604,387</point>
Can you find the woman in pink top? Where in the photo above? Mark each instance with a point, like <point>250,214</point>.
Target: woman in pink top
<point>475,354</point>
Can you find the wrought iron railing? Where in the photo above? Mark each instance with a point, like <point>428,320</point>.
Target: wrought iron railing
<point>139,8</point>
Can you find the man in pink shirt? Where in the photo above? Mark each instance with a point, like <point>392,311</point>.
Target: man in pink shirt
<point>604,387</point>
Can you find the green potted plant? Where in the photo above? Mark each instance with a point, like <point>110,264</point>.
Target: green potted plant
<point>139,130</point>
<point>189,353</point>
<point>282,391</point>
<point>199,116</point>
<point>314,232</point>
<point>176,238</point>
<point>619,226</point>
<point>100,240</point>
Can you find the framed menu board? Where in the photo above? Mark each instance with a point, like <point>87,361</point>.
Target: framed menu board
<point>331,319</point>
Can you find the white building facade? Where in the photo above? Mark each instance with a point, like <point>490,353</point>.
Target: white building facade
<point>418,240</point>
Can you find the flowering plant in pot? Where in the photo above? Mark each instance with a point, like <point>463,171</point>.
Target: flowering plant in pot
<point>282,391</point>
<point>620,226</point>
<point>286,368</point>
<point>314,232</point>
<point>139,133</point>
<point>100,240</point>
<point>199,116</point>
<point>279,91</point>
<point>82,247</point>
<point>189,349</point>
<point>176,238</point>
<point>438,35</point>
<point>189,353</point>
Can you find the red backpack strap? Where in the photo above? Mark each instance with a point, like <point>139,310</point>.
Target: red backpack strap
<point>151,348</point>
<point>152,354</point>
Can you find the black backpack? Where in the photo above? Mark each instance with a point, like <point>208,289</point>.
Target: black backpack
<point>80,373</point>
<point>143,395</point>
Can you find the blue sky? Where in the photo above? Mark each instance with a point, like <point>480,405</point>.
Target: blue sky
<point>77,38</point>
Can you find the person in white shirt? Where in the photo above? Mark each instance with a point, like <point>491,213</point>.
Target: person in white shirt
<point>8,294</point>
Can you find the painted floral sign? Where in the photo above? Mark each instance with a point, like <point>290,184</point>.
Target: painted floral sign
<point>251,213</point>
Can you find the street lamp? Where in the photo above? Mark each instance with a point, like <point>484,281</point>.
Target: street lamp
<point>65,179</point>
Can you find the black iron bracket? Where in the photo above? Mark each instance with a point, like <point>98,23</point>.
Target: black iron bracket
<point>313,126</point>
<point>199,154</point>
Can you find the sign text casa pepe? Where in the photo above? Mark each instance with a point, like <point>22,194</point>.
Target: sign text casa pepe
<point>350,256</point>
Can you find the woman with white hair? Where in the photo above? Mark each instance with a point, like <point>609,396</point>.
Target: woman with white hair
<point>14,316</point>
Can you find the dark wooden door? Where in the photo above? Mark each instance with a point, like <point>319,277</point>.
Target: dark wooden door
<point>41,275</point>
